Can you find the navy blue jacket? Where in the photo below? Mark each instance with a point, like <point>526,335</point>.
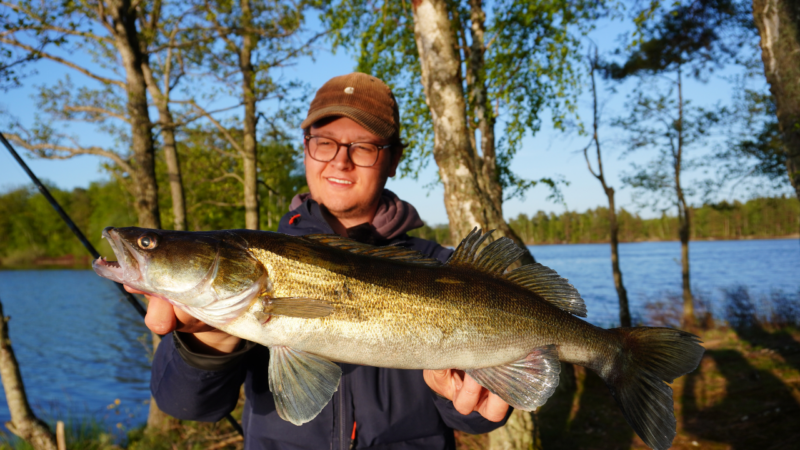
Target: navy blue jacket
<point>387,409</point>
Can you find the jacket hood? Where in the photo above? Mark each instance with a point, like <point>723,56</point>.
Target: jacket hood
<point>393,218</point>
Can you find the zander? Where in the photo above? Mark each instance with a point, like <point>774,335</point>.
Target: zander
<point>322,298</point>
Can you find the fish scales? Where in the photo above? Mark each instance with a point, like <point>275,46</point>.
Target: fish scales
<point>454,316</point>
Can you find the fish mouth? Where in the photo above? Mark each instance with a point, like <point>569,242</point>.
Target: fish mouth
<point>125,269</point>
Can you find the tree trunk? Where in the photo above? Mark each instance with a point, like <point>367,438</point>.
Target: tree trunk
<point>127,42</point>
<point>683,232</point>
<point>622,293</point>
<point>23,422</point>
<point>249,159</point>
<point>519,433</point>
<point>778,23</point>
<point>170,147</point>
<point>684,227</point>
<point>173,170</point>
<point>468,204</point>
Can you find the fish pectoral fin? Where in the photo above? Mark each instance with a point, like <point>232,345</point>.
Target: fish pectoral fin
<point>302,307</point>
<point>525,384</point>
<point>301,383</point>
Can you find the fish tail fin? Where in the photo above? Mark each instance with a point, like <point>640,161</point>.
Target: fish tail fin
<point>650,358</point>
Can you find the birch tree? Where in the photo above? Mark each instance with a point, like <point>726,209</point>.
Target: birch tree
<point>778,23</point>
<point>108,30</point>
<point>247,42</point>
<point>119,38</point>
<point>477,75</point>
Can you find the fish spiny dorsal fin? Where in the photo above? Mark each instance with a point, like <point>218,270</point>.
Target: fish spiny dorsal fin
<point>465,252</point>
<point>494,259</point>
<point>549,285</point>
<point>392,252</point>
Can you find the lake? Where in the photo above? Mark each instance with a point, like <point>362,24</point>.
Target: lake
<point>81,347</point>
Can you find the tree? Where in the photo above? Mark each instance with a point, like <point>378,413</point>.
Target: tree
<point>476,74</point>
<point>778,23</point>
<point>23,422</point>
<point>245,42</point>
<point>687,39</point>
<point>109,30</point>
<point>622,294</point>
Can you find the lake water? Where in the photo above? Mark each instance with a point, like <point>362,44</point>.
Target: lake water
<point>81,348</point>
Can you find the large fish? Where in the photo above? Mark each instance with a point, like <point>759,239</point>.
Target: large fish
<point>317,299</point>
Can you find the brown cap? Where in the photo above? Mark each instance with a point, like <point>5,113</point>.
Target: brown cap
<point>361,97</point>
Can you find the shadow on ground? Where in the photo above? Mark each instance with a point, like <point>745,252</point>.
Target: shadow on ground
<point>582,414</point>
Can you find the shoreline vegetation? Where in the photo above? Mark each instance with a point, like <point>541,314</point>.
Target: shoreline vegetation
<point>759,218</point>
<point>744,394</point>
<point>35,237</point>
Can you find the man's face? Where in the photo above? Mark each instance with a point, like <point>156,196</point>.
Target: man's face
<point>351,193</point>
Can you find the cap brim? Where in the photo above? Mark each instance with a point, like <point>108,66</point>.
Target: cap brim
<point>366,120</point>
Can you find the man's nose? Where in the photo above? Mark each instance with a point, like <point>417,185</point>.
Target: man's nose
<point>342,158</point>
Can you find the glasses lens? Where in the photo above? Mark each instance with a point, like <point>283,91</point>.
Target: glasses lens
<point>363,154</point>
<point>322,149</point>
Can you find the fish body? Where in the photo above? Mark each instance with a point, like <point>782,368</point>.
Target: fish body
<point>316,300</point>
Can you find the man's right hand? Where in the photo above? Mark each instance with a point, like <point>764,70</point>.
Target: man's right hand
<point>163,318</point>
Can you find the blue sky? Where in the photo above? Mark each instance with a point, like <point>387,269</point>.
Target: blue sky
<point>548,154</point>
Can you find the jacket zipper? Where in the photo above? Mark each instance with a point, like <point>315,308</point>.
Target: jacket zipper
<point>342,444</point>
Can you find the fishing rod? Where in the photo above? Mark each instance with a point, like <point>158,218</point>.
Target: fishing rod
<point>43,189</point>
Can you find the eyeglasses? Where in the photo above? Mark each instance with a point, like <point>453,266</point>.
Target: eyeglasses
<point>363,154</point>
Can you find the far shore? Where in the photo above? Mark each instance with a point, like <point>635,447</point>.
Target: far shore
<point>65,261</point>
<point>743,238</point>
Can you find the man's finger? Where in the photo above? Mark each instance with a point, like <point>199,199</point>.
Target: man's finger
<point>132,290</point>
<point>160,318</point>
<point>493,408</point>
<point>466,398</point>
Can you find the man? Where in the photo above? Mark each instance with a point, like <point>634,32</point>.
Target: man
<point>352,146</point>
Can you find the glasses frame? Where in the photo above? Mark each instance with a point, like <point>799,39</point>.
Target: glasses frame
<point>339,145</point>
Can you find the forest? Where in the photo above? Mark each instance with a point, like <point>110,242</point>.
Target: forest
<point>759,218</point>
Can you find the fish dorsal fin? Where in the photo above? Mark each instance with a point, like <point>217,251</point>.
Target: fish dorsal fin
<point>494,259</point>
<point>393,252</point>
<point>549,285</point>
<point>497,256</point>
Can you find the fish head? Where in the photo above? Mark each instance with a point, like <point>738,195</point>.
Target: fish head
<point>192,269</point>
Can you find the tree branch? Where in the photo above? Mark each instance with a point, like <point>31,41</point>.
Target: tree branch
<point>40,150</point>
<point>63,61</point>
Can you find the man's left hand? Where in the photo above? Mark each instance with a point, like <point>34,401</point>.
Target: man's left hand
<point>467,395</point>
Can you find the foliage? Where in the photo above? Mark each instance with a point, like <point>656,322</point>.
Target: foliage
<point>531,70</point>
<point>697,35</point>
<point>754,151</point>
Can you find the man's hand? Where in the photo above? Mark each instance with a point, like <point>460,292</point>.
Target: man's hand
<point>163,318</point>
<point>467,395</point>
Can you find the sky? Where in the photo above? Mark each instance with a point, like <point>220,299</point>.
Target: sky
<point>548,154</point>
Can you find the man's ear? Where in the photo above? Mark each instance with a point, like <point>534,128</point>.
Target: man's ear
<point>397,155</point>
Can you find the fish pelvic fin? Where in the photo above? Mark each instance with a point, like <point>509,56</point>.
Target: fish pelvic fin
<point>650,358</point>
<point>539,279</point>
<point>525,384</point>
<point>301,383</point>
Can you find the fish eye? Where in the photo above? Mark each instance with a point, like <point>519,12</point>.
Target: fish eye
<point>147,241</point>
